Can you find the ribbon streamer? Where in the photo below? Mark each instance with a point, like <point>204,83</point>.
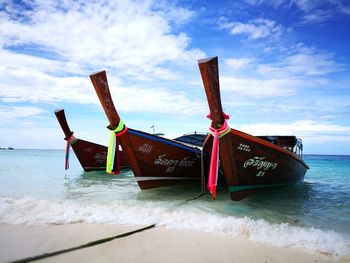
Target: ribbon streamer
<point>214,161</point>
<point>113,156</point>
<point>70,142</point>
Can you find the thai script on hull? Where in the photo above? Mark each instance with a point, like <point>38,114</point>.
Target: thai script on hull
<point>172,163</point>
<point>100,157</point>
<point>260,163</point>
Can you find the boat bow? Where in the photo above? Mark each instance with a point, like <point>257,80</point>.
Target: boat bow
<point>117,127</point>
<point>222,147</point>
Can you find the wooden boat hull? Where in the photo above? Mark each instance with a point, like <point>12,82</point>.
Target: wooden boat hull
<point>155,161</point>
<point>260,165</point>
<point>248,163</point>
<point>164,162</point>
<point>91,156</point>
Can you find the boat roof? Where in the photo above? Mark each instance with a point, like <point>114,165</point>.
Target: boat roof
<point>289,140</point>
<point>195,138</point>
<point>198,139</point>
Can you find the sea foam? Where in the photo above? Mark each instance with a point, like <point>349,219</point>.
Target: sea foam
<point>38,212</point>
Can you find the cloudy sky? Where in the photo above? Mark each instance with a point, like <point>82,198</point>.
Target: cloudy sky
<point>284,68</point>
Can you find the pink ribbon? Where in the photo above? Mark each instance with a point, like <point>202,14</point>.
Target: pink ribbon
<point>214,161</point>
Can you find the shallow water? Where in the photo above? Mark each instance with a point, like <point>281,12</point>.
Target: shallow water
<point>313,215</point>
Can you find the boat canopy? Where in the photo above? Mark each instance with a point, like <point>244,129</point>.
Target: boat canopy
<point>290,143</point>
<point>196,139</point>
<point>286,141</point>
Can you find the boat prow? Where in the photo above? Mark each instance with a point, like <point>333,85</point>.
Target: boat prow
<point>91,156</point>
<point>155,161</point>
<point>250,164</point>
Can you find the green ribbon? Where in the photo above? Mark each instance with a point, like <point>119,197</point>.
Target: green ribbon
<point>112,148</point>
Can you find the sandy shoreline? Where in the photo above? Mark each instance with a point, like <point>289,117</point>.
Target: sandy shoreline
<point>153,245</point>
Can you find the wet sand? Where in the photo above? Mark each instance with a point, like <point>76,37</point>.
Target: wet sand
<point>154,245</point>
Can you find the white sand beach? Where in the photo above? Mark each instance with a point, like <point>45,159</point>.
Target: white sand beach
<point>157,244</point>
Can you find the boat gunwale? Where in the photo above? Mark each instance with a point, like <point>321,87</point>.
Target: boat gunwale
<point>174,143</point>
<point>268,144</point>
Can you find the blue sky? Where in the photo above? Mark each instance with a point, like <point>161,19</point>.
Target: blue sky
<point>284,68</point>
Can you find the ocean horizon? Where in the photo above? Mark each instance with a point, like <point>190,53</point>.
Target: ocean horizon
<point>313,215</point>
<point>55,149</point>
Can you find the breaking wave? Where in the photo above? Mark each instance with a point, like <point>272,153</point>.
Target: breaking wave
<point>38,212</point>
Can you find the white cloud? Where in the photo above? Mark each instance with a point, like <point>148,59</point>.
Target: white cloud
<point>177,15</point>
<point>305,5</point>
<point>160,100</point>
<point>34,86</point>
<point>304,128</point>
<point>285,77</point>
<point>312,64</point>
<point>255,29</point>
<point>317,16</point>
<point>274,3</point>
<point>238,63</point>
<point>345,10</point>
<point>12,60</point>
<point>258,88</point>
<point>125,35</point>
<point>304,63</point>
<point>314,11</point>
<point>48,50</point>
<point>9,113</point>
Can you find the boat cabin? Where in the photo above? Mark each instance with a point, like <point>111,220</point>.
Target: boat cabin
<point>196,139</point>
<point>290,143</point>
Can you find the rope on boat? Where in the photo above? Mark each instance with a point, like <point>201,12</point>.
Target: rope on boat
<point>113,155</point>
<point>196,150</point>
<point>90,244</point>
<point>194,198</point>
<point>203,188</point>
<point>70,141</point>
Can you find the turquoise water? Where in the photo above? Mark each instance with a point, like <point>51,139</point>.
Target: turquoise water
<point>313,215</point>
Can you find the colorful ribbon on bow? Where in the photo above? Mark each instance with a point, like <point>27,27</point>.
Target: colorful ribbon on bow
<point>70,142</point>
<point>113,156</point>
<point>214,161</point>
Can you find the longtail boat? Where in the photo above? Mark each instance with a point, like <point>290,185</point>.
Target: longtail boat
<point>249,164</point>
<point>91,156</point>
<point>155,161</point>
